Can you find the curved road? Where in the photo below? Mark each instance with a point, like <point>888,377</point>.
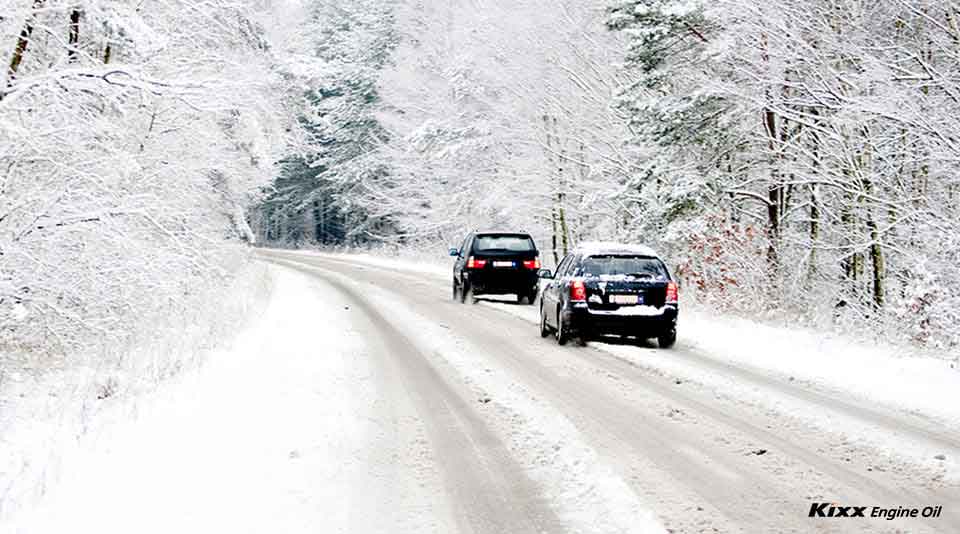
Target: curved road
<point>702,459</point>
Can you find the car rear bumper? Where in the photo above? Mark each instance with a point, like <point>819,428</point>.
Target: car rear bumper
<point>588,322</point>
<point>499,283</point>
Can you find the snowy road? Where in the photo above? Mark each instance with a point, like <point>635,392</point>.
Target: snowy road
<point>528,436</point>
<point>364,400</point>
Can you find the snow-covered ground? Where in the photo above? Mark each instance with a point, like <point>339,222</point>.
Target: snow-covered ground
<point>291,431</point>
<point>273,435</point>
<point>53,406</point>
<point>352,404</point>
<point>585,492</point>
<point>914,383</point>
<point>910,380</point>
<point>836,428</point>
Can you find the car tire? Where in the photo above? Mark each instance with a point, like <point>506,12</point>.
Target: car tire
<point>531,298</point>
<point>667,339</point>
<point>561,332</point>
<point>464,288</point>
<point>456,292</point>
<point>544,329</point>
<point>467,294</point>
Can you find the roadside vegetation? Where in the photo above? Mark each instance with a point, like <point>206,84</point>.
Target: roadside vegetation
<point>795,160</point>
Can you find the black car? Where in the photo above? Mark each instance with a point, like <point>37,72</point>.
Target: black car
<point>496,263</point>
<point>608,288</point>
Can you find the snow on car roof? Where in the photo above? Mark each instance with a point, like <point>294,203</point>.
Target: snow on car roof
<point>500,232</point>
<point>603,247</point>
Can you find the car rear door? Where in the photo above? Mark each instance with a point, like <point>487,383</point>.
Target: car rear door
<point>504,251</point>
<point>504,256</point>
<point>614,281</point>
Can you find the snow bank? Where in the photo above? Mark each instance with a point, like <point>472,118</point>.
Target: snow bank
<point>908,382</point>
<point>52,409</point>
<point>901,380</point>
<point>898,378</point>
<point>202,453</point>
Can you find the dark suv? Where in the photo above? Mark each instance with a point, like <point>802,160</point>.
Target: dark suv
<point>609,288</point>
<point>496,263</point>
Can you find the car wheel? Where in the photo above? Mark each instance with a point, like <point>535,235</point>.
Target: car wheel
<point>464,289</point>
<point>667,339</point>
<point>532,298</point>
<point>468,295</point>
<point>561,331</point>
<point>456,292</point>
<point>544,329</point>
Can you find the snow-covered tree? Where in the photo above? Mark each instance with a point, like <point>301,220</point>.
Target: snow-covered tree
<point>315,195</point>
<point>806,147</point>
<point>131,137</point>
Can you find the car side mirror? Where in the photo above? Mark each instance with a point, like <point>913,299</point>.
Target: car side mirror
<point>545,273</point>
<point>454,252</point>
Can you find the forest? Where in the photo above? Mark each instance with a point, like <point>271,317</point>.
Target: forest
<point>794,160</point>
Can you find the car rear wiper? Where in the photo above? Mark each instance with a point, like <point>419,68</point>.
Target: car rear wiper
<point>642,275</point>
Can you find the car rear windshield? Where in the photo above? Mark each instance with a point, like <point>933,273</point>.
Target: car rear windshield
<point>503,243</point>
<point>613,265</point>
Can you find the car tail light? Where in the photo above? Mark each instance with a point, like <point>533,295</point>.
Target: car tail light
<point>532,264</point>
<point>473,263</point>
<point>578,291</point>
<point>673,293</point>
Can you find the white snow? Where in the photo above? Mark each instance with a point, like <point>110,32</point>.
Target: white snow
<point>898,378</point>
<point>585,491</point>
<point>891,376</point>
<point>605,247</point>
<point>873,375</point>
<point>272,436</point>
<point>439,269</point>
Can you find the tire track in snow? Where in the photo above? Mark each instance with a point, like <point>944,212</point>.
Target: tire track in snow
<point>916,426</point>
<point>490,494</point>
<point>855,483</point>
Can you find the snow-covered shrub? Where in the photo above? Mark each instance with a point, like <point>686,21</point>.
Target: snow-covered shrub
<point>131,135</point>
<point>830,130</point>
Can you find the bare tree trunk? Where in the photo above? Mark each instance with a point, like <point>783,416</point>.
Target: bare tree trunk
<point>553,236</point>
<point>21,48</point>
<point>879,265</point>
<point>554,216</point>
<point>775,188</point>
<point>876,254</point>
<point>774,197</point>
<point>561,203</point>
<point>814,232</point>
<point>73,39</point>
<point>108,48</point>
<point>850,259</point>
<point>814,204</point>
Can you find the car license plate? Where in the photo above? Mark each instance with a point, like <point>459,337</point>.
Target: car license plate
<point>624,299</point>
<point>503,264</point>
